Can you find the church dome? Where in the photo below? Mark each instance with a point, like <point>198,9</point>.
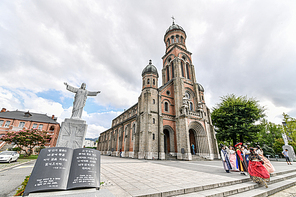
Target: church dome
<point>150,69</point>
<point>174,27</point>
<point>200,88</point>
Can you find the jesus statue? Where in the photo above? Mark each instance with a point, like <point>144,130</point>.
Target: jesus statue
<point>79,99</point>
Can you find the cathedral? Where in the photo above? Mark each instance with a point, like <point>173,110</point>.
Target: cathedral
<point>168,121</point>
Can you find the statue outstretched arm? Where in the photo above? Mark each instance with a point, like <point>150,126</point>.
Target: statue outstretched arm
<point>93,93</point>
<point>71,88</point>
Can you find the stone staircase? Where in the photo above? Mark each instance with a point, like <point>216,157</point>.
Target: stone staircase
<point>198,158</point>
<point>170,157</point>
<point>244,187</point>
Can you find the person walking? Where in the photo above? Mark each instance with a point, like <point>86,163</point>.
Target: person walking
<point>286,155</point>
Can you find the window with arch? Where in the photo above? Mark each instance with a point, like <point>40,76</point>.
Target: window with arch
<point>168,73</point>
<point>134,131</point>
<point>153,136</point>
<point>153,101</point>
<point>148,81</point>
<point>177,38</point>
<point>173,39</point>
<point>182,69</point>
<point>153,120</point>
<point>153,81</point>
<point>182,39</point>
<point>190,106</point>
<point>168,41</point>
<point>166,106</point>
<point>187,69</point>
<point>173,75</point>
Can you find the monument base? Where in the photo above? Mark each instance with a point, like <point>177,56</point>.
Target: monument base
<point>72,133</point>
<point>75,193</point>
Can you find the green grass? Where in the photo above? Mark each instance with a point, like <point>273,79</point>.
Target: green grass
<point>28,157</point>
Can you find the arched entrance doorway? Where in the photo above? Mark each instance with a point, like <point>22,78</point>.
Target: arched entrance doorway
<point>197,133</point>
<point>166,141</point>
<point>192,140</point>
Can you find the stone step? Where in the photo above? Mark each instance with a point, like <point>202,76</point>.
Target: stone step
<point>272,189</point>
<point>198,158</point>
<point>228,189</point>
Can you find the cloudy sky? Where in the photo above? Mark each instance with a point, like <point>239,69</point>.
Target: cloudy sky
<point>239,47</point>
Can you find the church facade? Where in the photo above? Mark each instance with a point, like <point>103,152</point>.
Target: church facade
<point>168,119</point>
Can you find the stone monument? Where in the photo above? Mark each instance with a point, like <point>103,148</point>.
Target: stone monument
<point>290,148</point>
<point>73,129</point>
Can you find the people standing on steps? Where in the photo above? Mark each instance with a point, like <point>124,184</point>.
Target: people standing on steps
<point>258,173</point>
<point>269,167</point>
<point>286,155</point>
<point>232,158</point>
<point>246,153</point>
<point>242,166</point>
<point>225,158</point>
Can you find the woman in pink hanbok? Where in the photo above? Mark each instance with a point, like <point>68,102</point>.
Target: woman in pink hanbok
<point>267,164</point>
<point>232,158</point>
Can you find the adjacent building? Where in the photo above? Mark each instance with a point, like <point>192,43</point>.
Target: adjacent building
<point>169,119</point>
<point>17,120</point>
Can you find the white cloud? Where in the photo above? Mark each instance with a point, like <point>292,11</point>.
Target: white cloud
<point>240,47</point>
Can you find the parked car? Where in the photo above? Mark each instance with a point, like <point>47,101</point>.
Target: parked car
<point>9,156</point>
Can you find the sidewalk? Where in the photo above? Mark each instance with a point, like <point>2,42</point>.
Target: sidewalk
<point>132,177</point>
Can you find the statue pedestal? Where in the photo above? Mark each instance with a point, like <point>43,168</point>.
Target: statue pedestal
<point>291,152</point>
<point>72,133</point>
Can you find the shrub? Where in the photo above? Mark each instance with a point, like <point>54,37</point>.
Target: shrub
<point>20,191</point>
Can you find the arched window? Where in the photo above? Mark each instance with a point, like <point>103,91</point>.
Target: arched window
<point>168,42</point>
<point>153,120</point>
<point>153,101</point>
<point>168,73</point>
<point>173,75</point>
<point>191,106</point>
<point>182,69</point>
<point>153,136</point>
<point>187,69</point>
<point>134,131</point>
<point>148,81</point>
<point>173,40</point>
<point>182,39</point>
<point>153,81</point>
<point>166,106</point>
<point>177,38</point>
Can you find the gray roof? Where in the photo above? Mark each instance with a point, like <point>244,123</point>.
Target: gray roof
<point>200,88</point>
<point>20,115</point>
<point>150,69</point>
<point>174,27</point>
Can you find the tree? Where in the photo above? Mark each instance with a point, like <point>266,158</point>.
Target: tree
<point>268,133</point>
<point>27,139</point>
<point>234,118</point>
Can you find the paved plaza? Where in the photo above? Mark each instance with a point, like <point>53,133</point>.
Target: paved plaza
<point>131,177</point>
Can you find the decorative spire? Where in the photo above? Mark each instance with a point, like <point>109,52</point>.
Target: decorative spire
<point>173,20</point>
